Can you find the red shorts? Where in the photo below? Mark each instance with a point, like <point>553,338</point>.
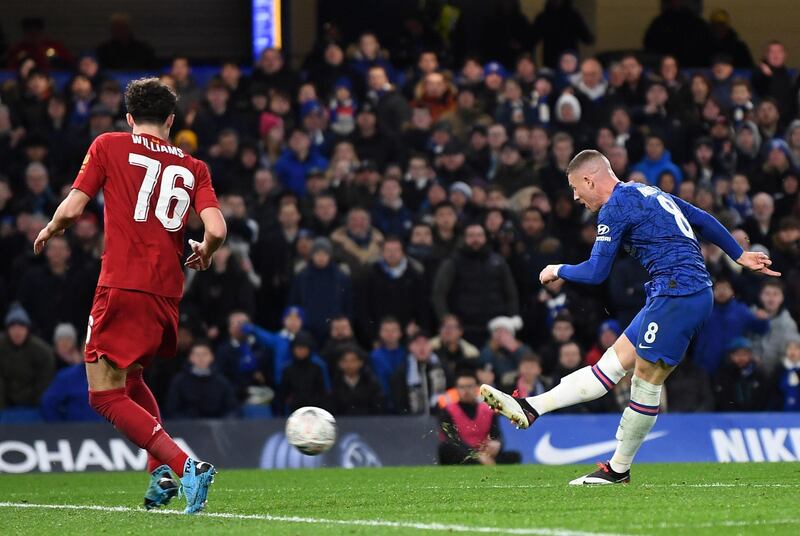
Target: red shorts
<point>129,326</point>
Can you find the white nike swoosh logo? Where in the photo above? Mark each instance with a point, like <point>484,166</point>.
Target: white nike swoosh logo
<point>547,454</point>
<point>643,347</point>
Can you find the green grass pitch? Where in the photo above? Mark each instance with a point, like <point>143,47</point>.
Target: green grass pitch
<point>663,499</point>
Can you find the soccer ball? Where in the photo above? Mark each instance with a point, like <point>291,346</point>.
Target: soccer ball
<point>311,430</point>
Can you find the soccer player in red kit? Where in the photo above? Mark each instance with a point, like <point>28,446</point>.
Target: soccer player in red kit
<point>148,187</point>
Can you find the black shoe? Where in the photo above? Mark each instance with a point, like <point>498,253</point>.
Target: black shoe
<point>604,475</point>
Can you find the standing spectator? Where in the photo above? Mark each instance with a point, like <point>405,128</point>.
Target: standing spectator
<point>417,385</point>
<point>782,328</point>
<point>435,94</point>
<point>46,52</point>
<point>469,432</point>
<point>26,362</point>
<point>214,116</point>
<point>322,290</point>
<point>391,109</point>
<point>560,27</point>
<point>772,78</point>
<point>786,383</point>
<point>272,72</point>
<point>729,319</point>
<point>200,392</point>
<point>220,290</point>
<point>678,19</point>
<point>304,382</point>
<point>394,286</point>
<point>123,50</point>
<point>475,284</point>
<point>355,389</point>
<point>725,40</point>
<point>740,384</point>
<point>388,356</point>
<point>55,291</point>
<point>189,95</point>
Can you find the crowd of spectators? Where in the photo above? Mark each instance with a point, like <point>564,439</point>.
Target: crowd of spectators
<point>387,226</point>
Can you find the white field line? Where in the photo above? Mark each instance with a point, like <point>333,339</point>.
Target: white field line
<point>712,524</point>
<point>320,521</point>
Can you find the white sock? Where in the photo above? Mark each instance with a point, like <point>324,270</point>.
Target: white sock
<point>583,385</point>
<point>637,421</point>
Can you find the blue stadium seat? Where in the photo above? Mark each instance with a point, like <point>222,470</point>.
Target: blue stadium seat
<point>20,415</point>
<point>256,411</point>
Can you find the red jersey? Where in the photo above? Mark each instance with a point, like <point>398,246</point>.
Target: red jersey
<point>148,187</point>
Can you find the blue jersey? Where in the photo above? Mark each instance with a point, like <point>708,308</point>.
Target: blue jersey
<point>656,229</point>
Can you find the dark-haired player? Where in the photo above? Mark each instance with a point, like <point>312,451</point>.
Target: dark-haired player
<point>148,187</point>
<point>658,229</point>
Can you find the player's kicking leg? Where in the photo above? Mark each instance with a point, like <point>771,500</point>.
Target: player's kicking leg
<point>108,396</point>
<point>637,421</point>
<point>583,385</point>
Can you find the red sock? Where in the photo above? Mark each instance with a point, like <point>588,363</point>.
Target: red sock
<point>139,392</point>
<point>138,425</point>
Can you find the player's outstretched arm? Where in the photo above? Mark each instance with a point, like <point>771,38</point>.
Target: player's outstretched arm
<point>715,232</point>
<point>66,214</point>
<point>215,232</point>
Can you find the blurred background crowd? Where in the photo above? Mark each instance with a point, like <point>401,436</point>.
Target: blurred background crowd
<point>391,202</point>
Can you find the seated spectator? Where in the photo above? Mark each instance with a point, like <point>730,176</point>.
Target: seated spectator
<point>470,433</point>
<point>453,350</point>
<point>740,384</point>
<point>607,334</point>
<point>561,332</point>
<point>296,161</point>
<point>417,386</point>
<point>341,336</point>
<point>355,389</point>
<point>357,243</point>
<point>200,392</point>
<point>67,396</point>
<point>729,319</point>
<point>389,215</point>
<point>244,361</point>
<point>689,388</point>
<point>529,381</point>
<point>570,360</point>
<point>26,362</point>
<point>657,160</point>
<point>503,351</point>
<point>322,290</point>
<point>786,379</point>
<point>65,346</point>
<point>513,173</point>
<point>304,382</point>
<point>769,347</point>
<point>436,94</point>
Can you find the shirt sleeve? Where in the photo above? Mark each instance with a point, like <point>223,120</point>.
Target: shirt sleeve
<point>92,175</point>
<point>711,229</point>
<point>612,225</point>
<point>205,197</point>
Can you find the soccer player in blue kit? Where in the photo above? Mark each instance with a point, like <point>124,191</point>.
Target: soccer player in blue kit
<point>657,229</point>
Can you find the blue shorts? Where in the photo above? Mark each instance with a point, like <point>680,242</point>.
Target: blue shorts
<point>664,327</point>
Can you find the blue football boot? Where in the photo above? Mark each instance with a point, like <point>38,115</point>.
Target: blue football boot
<point>162,488</point>
<point>197,477</point>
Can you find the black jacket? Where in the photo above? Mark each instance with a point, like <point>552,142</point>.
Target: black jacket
<point>303,384</point>
<point>200,397</point>
<point>381,295</point>
<point>363,398</point>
